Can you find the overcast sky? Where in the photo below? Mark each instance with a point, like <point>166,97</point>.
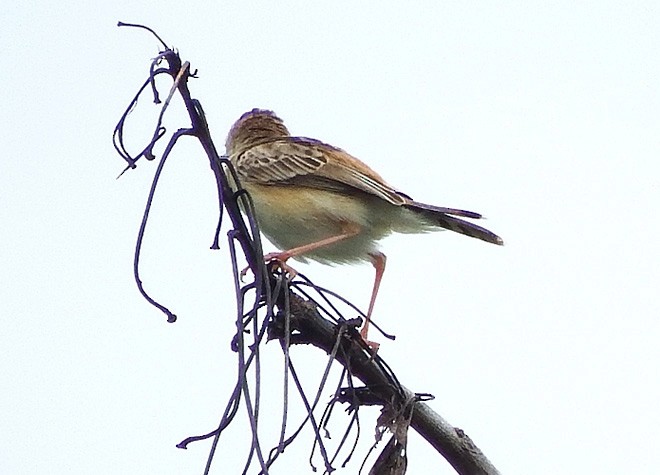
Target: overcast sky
<point>543,116</point>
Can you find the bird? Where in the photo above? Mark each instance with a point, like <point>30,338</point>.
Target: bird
<point>315,201</point>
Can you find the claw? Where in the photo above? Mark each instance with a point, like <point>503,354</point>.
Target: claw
<point>243,273</point>
<point>371,344</point>
<point>278,260</point>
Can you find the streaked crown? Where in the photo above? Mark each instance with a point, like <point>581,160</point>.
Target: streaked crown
<point>254,127</point>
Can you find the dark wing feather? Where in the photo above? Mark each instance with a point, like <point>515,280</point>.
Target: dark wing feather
<point>307,162</point>
<point>277,161</point>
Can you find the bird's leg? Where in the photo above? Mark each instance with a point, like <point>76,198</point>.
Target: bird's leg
<point>378,259</point>
<point>348,230</point>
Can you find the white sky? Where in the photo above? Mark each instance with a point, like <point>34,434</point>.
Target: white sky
<point>542,116</point>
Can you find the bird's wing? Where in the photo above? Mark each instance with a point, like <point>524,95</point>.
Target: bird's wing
<point>307,162</point>
<point>277,161</point>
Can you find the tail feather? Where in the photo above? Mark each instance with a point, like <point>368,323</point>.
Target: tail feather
<point>443,217</point>
<point>441,209</point>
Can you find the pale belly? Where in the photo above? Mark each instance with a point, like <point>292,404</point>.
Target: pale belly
<point>292,217</point>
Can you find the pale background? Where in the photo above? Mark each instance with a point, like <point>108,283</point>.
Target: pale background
<point>543,116</point>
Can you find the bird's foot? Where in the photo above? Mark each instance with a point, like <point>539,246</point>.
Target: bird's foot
<point>372,345</point>
<point>278,260</point>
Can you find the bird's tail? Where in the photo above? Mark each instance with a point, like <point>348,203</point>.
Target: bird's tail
<point>446,218</point>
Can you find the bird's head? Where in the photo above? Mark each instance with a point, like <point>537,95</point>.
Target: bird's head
<point>253,127</point>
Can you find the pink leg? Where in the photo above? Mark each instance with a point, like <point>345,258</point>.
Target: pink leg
<point>348,230</point>
<point>378,259</point>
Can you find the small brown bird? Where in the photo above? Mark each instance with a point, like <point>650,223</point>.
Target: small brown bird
<point>315,201</point>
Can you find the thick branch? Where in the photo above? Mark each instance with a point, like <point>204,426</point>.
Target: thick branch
<point>451,442</point>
